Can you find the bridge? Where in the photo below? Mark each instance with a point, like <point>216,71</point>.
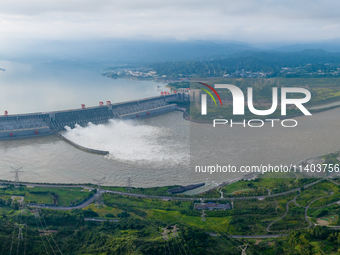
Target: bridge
<point>39,124</point>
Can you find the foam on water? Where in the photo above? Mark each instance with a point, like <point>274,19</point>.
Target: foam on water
<point>131,141</point>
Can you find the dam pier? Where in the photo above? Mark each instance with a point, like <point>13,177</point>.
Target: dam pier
<point>48,123</point>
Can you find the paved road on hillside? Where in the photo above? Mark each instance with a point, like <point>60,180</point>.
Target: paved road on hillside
<point>68,208</point>
<point>306,210</point>
<point>134,195</point>
<point>89,201</point>
<point>96,195</point>
<point>259,236</point>
<point>287,209</point>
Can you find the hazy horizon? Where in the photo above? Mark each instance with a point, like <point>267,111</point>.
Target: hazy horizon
<point>252,21</point>
<point>66,29</point>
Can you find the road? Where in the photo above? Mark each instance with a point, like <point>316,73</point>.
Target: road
<point>306,210</point>
<point>87,202</point>
<point>100,219</point>
<point>96,195</point>
<point>68,208</point>
<point>287,209</point>
<point>259,236</point>
<point>307,207</point>
<point>249,236</point>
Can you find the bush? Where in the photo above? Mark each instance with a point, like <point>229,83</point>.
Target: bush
<point>90,213</point>
<point>190,212</point>
<point>322,213</point>
<point>123,215</point>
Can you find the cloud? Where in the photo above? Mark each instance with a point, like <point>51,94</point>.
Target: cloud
<point>249,20</point>
<point>325,9</point>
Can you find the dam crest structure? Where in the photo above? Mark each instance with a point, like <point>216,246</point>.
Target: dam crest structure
<point>49,123</point>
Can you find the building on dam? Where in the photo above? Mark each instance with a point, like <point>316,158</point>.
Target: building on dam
<point>38,124</point>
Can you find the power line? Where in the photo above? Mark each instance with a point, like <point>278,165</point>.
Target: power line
<point>233,240</point>
<point>173,247</point>
<point>129,180</point>
<point>178,246</point>
<point>42,227</point>
<point>174,227</point>
<point>99,201</point>
<point>16,171</point>
<point>25,237</point>
<point>167,242</point>
<point>99,182</point>
<point>179,239</point>
<point>186,244</point>
<point>164,248</point>
<point>20,236</point>
<point>168,239</point>
<point>21,226</point>
<point>39,231</point>
<point>222,235</point>
<point>13,236</point>
<point>51,234</point>
<point>244,249</point>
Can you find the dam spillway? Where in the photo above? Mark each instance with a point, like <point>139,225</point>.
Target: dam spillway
<point>47,123</point>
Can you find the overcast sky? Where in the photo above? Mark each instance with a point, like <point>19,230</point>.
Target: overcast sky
<point>244,20</point>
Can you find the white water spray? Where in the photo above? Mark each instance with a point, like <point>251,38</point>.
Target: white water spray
<point>130,141</point>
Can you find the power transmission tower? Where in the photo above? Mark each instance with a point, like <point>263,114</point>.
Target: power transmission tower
<point>99,182</point>
<point>36,212</point>
<point>22,207</point>
<point>243,248</point>
<point>129,184</point>
<point>16,171</point>
<point>203,216</point>
<point>99,201</point>
<point>20,226</point>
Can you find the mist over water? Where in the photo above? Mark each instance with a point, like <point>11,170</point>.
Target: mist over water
<point>132,142</point>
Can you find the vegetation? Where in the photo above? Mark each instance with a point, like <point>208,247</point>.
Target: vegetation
<point>324,91</point>
<point>179,85</point>
<point>150,225</point>
<point>154,191</point>
<point>319,190</point>
<point>294,220</point>
<point>271,181</point>
<point>155,226</point>
<point>307,63</point>
<point>61,196</point>
<point>67,231</point>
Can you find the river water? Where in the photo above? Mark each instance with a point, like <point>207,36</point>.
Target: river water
<point>27,88</point>
<point>153,151</point>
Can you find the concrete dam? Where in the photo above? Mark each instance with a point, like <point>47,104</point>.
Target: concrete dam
<point>39,124</point>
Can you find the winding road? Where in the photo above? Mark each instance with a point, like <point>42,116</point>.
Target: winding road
<point>88,201</point>
<point>287,209</point>
<point>306,210</point>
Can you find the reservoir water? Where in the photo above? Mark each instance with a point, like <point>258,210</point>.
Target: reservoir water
<point>27,88</point>
<point>153,151</point>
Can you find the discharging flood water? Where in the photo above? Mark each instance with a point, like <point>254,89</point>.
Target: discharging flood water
<point>153,151</point>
